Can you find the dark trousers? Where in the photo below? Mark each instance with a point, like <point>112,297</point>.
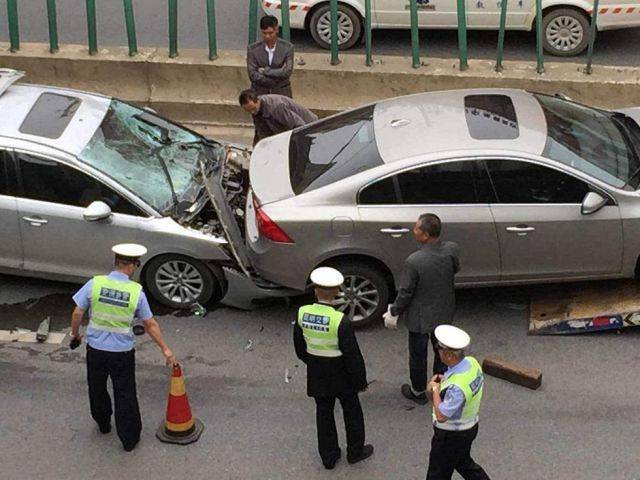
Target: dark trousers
<point>418,346</point>
<point>327,433</point>
<point>121,367</point>
<point>452,451</point>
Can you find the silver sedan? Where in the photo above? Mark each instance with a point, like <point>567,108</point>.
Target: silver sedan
<point>533,188</point>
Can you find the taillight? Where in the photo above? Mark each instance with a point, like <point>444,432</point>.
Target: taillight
<point>267,227</point>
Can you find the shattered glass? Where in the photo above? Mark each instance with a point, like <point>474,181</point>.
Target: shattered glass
<point>131,151</point>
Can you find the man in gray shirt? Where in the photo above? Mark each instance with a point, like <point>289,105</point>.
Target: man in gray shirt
<point>273,114</point>
<point>426,299</point>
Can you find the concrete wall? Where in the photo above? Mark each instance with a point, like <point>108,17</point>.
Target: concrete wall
<point>194,90</point>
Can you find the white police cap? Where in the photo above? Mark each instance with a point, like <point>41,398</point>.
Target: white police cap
<point>327,277</point>
<point>130,250</point>
<point>452,337</point>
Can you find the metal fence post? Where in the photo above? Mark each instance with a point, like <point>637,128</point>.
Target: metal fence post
<point>286,28</point>
<point>211,24</point>
<point>415,36</point>
<point>335,60</point>
<point>539,38</point>
<point>173,28</point>
<point>462,35</point>
<point>253,21</point>
<point>503,25</point>
<point>91,27</point>
<point>131,27</point>
<point>592,39</point>
<point>53,26</point>
<point>14,29</point>
<point>367,33</point>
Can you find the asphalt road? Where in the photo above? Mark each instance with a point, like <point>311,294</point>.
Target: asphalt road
<point>580,425</point>
<point>612,47</point>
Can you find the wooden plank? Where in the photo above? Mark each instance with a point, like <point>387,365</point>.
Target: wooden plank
<point>527,377</point>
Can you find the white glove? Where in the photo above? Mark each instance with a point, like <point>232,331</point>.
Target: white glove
<point>390,321</point>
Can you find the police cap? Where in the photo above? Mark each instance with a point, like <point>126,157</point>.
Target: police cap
<point>327,277</point>
<point>452,337</point>
<point>129,250</point>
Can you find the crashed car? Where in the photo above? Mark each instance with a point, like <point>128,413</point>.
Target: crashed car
<point>81,172</point>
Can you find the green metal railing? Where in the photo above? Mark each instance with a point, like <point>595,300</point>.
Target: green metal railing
<point>284,7</point>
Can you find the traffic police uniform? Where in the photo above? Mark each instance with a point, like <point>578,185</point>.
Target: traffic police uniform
<point>326,343</point>
<point>461,393</point>
<point>114,302</point>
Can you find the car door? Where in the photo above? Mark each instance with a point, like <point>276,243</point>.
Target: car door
<point>55,237</point>
<point>485,14</point>
<point>10,241</point>
<point>543,233</point>
<point>458,192</point>
<point>431,13</point>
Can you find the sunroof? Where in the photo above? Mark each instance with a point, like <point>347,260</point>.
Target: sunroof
<point>491,117</point>
<point>50,115</point>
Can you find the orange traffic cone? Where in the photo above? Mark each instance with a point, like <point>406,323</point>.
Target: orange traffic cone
<point>180,426</point>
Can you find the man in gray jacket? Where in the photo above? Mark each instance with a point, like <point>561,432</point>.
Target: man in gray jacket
<point>270,61</point>
<point>273,114</point>
<point>426,299</point>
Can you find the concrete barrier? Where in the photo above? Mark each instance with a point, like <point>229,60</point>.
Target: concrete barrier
<point>203,93</point>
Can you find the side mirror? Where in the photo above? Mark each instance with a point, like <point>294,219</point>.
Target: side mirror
<point>592,203</point>
<point>97,211</point>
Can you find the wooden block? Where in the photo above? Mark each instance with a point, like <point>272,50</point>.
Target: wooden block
<point>527,377</point>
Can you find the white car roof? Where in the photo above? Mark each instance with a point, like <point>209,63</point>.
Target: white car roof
<point>432,122</point>
<point>17,101</point>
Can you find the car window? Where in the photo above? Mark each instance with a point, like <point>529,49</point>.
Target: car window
<point>50,181</point>
<point>491,117</point>
<point>333,149</point>
<point>451,183</point>
<point>524,182</point>
<point>5,186</point>
<point>50,115</point>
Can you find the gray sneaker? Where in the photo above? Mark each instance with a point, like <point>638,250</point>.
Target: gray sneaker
<point>407,392</point>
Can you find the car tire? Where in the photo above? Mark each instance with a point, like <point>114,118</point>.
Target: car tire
<point>365,279</point>
<point>349,27</point>
<point>566,32</point>
<point>178,281</point>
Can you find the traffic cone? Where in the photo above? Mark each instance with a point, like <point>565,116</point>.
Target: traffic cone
<point>180,426</point>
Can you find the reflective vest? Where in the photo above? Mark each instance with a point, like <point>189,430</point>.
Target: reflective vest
<point>471,383</point>
<point>113,304</point>
<point>319,325</point>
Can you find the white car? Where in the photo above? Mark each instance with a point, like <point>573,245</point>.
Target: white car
<point>565,22</point>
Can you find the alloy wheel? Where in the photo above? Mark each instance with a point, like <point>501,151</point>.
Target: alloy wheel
<point>179,282</point>
<point>345,28</point>
<point>564,33</point>
<point>358,298</point>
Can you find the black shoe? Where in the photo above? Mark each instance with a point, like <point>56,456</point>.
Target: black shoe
<point>367,451</point>
<point>128,448</point>
<point>106,428</point>
<point>331,465</point>
<point>407,392</point>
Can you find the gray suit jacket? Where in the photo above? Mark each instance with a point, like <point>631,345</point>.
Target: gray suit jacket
<point>275,77</point>
<point>426,297</point>
<point>278,114</point>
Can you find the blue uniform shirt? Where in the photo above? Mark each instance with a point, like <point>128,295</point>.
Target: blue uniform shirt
<point>453,403</point>
<point>109,341</point>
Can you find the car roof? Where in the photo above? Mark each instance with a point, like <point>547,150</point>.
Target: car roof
<point>17,101</point>
<point>428,123</point>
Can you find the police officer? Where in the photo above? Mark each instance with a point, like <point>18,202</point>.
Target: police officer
<point>114,303</point>
<point>456,403</point>
<point>326,343</point>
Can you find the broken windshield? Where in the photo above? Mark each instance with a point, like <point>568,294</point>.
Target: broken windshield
<point>133,147</point>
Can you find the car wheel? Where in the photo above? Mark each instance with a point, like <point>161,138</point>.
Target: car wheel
<point>177,281</point>
<point>349,27</point>
<point>365,294</point>
<point>566,32</point>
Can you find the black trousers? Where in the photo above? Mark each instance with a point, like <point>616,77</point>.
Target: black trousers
<point>121,367</point>
<point>452,451</point>
<point>418,346</point>
<point>326,424</point>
